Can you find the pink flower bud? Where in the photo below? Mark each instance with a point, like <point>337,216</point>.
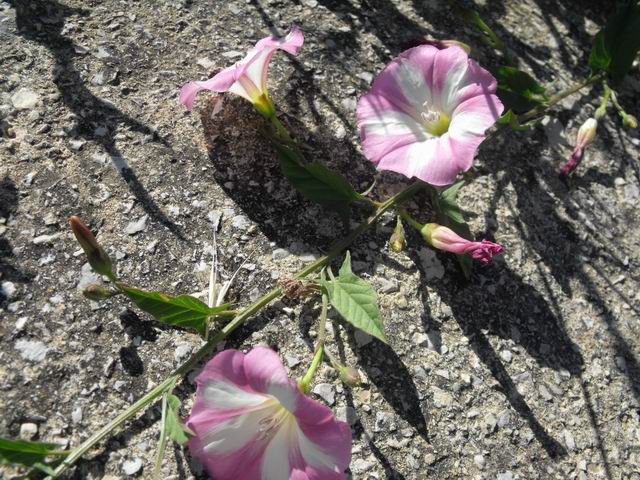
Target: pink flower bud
<point>444,238</point>
<point>586,136</point>
<point>97,257</point>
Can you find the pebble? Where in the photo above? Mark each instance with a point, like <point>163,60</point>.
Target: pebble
<point>505,476</point>
<point>385,421</point>
<point>479,460</point>
<point>430,459</point>
<point>182,352</point>
<point>506,355</point>
<point>132,467</point>
<point>280,254</point>
<point>347,414</point>
<point>25,99</point>
<point>327,392</point>
<point>420,338</point>
<point>240,222</point>
<point>388,286</point>
<point>76,415</point>
<point>8,289</point>
<point>489,423</point>
<point>441,398</point>
<point>292,361</point>
<point>137,226</point>
<point>28,431</point>
<point>569,441</point>
<point>361,466</point>
<point>32,350</point>
<point>21,322</point>
<point>41,239</point>
<point>214,216</point>
<point>87,277</point>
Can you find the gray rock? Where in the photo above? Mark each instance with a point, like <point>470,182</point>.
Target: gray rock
<point>505,476</point>
<point>214,216</point>
<point>8,289</point>
<point>76,415</point>
<point>28,431</point>
<point>132,467</point>
<point>441,398</point>
<point>182,352</point>
<point>326,391</point>
<point>506,355</point>
<point>42,239</point>
<point>25,99</point>
<point>32,350</point>
<point>420,338</point>
<point>479,460</point>
<point>292,361</point>
<point>385,421</point>
<point>87,277</point>
<point>347,414</point>
<point>240,222</point>
<point>280,254</point>
<point>360,465</point>
<point>138,226</point>
<point>569,441</point>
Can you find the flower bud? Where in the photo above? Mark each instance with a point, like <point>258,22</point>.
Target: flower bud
<point>587,133</point>
<point>398,242</point>
<point>630,121</point>
<point>350,376</point>
<point>445,239</point>
<point>97,257</point>
<point>97,292</point>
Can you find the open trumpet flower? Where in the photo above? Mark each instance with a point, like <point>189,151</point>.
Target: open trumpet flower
<point>252,422</point>
<point>427,113</point>
<point>248,77</point>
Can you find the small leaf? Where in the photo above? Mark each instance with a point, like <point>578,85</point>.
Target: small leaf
<point>450,215</point>
<point>355,300</point>
<point>180,311</point>
<point>317,183</point>
<point>31,454</point>
<point>616,46</point>
<point>175,429</point>
<point>518,90</point>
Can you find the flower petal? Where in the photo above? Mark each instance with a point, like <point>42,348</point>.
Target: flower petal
<point>266,374</point>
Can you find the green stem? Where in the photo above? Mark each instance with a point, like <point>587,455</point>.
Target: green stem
<point>409,219</point>
<point>162,443</point>
<point>305,383</point>
<point>245,314</point>
<point>540,110</point>
<point>601,111</point>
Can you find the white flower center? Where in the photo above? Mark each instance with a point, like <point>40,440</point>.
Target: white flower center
<point>434,122</point>
<point>269,425</point>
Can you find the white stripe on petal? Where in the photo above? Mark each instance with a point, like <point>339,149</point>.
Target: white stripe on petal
<point>389,122</point>
<point>450,90</point>
<point>234,434</point>
<point>412,84</point>
<point>222,395</point>
<point>275,462</point>
<point>314,455</point>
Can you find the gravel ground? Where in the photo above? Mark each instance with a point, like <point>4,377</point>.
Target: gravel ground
<point>528,371</point>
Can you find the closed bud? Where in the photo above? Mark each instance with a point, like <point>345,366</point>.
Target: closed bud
<point>630,121</point>
<point>97,257</point>
<point>350,376</point>
<point>398,242</point>
<point>587,133</point>
<point>97,292</point>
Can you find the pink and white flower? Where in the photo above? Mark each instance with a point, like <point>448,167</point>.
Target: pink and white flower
<point>444,238</point>
<point>427,113</point>
<point>248,77</point>
<point>252,422</point>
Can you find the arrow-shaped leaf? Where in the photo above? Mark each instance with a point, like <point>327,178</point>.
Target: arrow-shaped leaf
<point>355,300</point>
<point>27,453</point>
<point>176,430</point>
<point>180,311</point>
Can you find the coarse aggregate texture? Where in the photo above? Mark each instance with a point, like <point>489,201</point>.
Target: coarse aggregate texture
<point>529,370</point>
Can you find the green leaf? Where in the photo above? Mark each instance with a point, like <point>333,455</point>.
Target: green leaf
<point>355,300</point>
<point>450,215</point>
<point>518,90</point>
<point>616,46</point>
<point>317,183</point>
<point>31,454</point>
<point>180,311</point>
<point>175,429</point>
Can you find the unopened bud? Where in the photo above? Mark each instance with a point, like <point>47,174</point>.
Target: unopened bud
<point>630,121</point>
<point>350,376</point>
<point>97,292</point>
<point>97,257</point>
<point>587,133</point>
<point>398,242</point>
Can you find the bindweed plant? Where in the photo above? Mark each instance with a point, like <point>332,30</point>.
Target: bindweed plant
<point>424,117</point>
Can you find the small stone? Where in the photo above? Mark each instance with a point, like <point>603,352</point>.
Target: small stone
<point>292,361</point>
<point>388,286</point>
<point>214,217</point>
<point>42,239</point>
<point>479,461</point>
<point>104,77</point>
<point>7,289</point>
<point>385,421</point>
<point>430,459</point>
<point>32,350</point>
<point>206,63</point>
<point>132,467</point>
<point>504,417</point>
<point>280,254</point>
<point>441,398</point>
<point>489,423</point>
<point>138,226</point>
<point>76,415</point>
<point>346,414</point>
<point>25,99</point>
<point>569,441</point>
<point>506,356</point>
<point>505,476</point>
<point>87,277</point>
<point>360,465</point>
<point>327,392</point>
<point>21,322</point>
<point>240,222</point>
<point>28,431</point>
<point>420,338</point>
<point>182,352</point>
